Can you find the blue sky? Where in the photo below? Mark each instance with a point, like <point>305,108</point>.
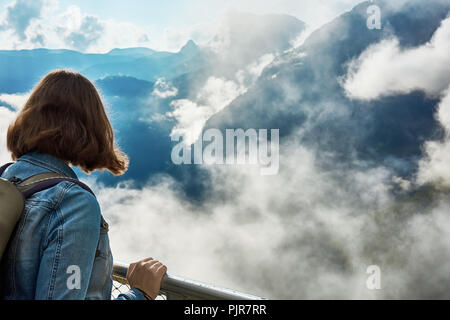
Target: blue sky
<point>98,26</point>
<point>178,12</point>
<point>145,12</point>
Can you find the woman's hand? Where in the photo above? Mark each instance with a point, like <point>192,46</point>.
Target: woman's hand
<point>146,275</point>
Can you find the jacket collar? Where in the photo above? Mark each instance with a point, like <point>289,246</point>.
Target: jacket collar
<point>49,162</point>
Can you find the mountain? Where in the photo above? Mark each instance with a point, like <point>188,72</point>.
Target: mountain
<point>139,52</point>
<point>264,34</point>
<point>247,37</point>
<point>154,66</point>
<point>22,69</point>
<point>126,87</point>
<point>190,49</point>
<point>300,93</point>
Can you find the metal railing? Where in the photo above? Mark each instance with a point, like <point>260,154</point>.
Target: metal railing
<point>177,288</point>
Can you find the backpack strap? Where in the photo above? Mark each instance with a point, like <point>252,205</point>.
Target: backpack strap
<point>4,167</point>
<point>44,181</point>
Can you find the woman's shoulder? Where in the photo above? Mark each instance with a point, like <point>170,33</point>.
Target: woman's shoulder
<point>77,201</point>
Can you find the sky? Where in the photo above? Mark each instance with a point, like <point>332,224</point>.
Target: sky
<point>179,12</point>
<point>160,25</point>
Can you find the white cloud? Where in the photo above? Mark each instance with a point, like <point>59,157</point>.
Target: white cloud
<point>191,116</point>
<point>435,166</point>
<point>257,67</point>
<point>16,101</point>
<point>386,68</point>
<point>175,38</point>
<point>81,31</point>
<point>214,96</point>
<point>122,35</point>
<point>45,23</point>
<point>315,13</point>
<point>164,89</point>
<point>237,242</point>
<point>70,29</point>
<point>6,117</point>
<point>301,38</point>
<point>19,14</point>
<point>190,119</point>
<point>304,234</point>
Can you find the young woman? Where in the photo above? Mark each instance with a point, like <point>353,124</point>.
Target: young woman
<point>61,234</point>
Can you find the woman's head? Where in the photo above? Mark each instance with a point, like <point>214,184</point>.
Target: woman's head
<point>65,117</point>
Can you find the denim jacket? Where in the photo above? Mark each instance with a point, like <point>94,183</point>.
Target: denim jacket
<point>60,246</point>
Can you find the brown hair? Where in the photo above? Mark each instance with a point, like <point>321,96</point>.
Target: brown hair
<point>65,117</point>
